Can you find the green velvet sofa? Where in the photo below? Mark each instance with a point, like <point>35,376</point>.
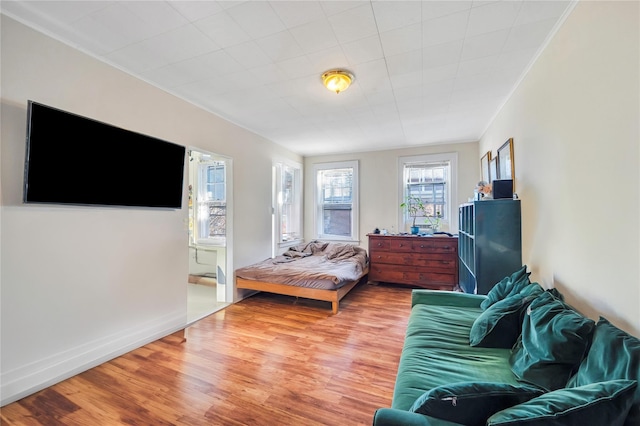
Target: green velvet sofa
<point>518,356</point>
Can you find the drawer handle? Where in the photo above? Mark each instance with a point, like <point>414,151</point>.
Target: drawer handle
<point>401,245</point>
<point>379,244</point>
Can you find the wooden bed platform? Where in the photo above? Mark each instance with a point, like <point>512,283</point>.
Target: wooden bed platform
<point>333,296</point>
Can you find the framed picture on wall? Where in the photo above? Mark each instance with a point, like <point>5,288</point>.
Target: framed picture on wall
<point>493,169</point>
<point>484,166</point>
<point>506,167</point>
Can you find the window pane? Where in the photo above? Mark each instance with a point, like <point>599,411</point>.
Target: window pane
<point>290,203</point>
<point>211,202</point>
<point>335,203</point>
<point>337,185</point>
<point>217,220</point>
<point>215,185</point>
<point>336,219</point>
<point>428,181</point>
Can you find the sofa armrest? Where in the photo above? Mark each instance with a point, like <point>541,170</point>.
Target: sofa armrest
<point>393,417</point>
<point>446,298</point>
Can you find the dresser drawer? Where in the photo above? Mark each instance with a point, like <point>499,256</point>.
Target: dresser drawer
<point>428,245</point>
<point>431,260</point>
<point>379,243</point>
<point>412,275</point>
<point>415,245</point>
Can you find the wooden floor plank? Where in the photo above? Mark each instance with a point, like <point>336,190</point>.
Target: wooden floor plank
<point>269,359</point>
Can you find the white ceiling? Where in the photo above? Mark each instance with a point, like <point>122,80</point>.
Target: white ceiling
<point>425,71</point>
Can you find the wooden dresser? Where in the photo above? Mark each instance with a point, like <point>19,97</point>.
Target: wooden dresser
<point>428,262</point>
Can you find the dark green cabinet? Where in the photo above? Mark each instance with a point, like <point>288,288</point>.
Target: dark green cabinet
<point>489,243</point>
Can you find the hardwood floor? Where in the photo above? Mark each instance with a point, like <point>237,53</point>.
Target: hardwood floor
<point>266,360</point>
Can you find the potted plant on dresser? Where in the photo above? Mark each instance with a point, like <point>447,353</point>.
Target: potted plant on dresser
<point>414,208</point>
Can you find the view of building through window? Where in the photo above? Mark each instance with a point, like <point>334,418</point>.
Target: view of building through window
<point>429,183</point>
<point>211,200</point>
<point>336,200</point>
<point>289,194</point>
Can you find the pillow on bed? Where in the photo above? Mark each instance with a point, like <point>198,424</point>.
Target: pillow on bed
<point>342,251</point>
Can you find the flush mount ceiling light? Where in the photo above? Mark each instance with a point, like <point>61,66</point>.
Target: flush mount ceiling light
<point>337,80</point>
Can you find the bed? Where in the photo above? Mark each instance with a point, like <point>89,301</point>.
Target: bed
<point>316,270</point>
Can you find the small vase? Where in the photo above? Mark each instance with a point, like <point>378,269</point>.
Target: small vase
<point>415,230</point>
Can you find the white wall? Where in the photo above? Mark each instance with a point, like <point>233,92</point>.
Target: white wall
<point>575,120</point>
<point>80,285</point>
<point>379,197</point>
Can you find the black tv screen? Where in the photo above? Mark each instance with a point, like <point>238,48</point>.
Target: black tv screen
<point>76,160</point>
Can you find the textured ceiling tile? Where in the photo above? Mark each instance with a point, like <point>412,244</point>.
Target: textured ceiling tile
<point>129,24</point>
<point>223,30</point>
<point>493,17</point>
<point>327,59</point>
<point>315,36</point>
<point>195,10</point>
<point>335,7</point>
<point>248,54</point>
<point>363,50</point>
<point>256,18</point>
<point>445,29</point>
<point>437,9</point>
<point>354,24</point>
<point>405,62</point>
<point>401,40</point>
<point>395,14</point>
<point>295,13</point>
<point>280,46</point>
<point>484,45</point>
<point>442,54</point>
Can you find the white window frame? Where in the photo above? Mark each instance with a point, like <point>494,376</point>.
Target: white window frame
<point>355,216</point>
<point>449,225</point>
<point>203,202</point>
<point>278,218</point>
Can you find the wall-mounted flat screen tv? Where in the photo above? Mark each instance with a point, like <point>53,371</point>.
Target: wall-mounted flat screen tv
<point>77,160</point>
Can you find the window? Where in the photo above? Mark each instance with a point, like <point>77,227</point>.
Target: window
<point>211,202</point>
<point>431,178</point>
<point>288,197</point>
<point>336,201</point>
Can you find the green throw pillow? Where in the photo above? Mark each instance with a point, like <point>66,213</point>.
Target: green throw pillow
<point>501,323</point>
<point>604,403</point>
<point>472,403</point>
<point>507,286</point>
<point>614,354</point>
<point>553,342</point>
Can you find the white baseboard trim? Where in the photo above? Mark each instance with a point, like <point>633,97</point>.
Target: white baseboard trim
<point>33,377</point>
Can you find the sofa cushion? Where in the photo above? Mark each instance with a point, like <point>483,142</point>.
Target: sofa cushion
<point>507,286</point>
<point>603,403</point>
<point>501,323</point>
<point>436,352</point>
<point>553,342</point>
<point>614,354</point>
<point>472,403</point>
